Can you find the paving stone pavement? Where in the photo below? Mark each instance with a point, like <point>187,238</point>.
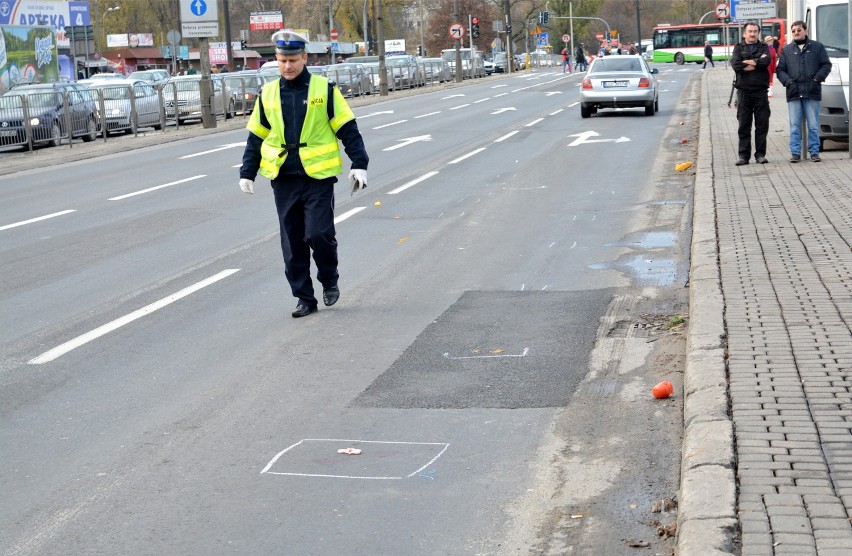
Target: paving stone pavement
<point>767,455</point>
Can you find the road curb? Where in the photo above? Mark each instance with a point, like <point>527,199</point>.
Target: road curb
<point>707,519</point>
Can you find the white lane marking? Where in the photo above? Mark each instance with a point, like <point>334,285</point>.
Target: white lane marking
<point>532,123</point>
<point>573,245</point>
<point>120,197</point>
<point>524,354</point>
<point>482,100</point>
<point>390,124</point>
<point>459,106</point>
<point>376,114</point>
<point>552,244</point>
<point>501,110</point>
<point>498,86</point>
<point>62,349</point>
<point>347,214</point>
<point>31,220</point>
<point>501,95</point>
<point>557,112</point>
<point>237,165</point>
<point>468,155</point>
<point>501,139</point>
<point>453,96</point>
<point>222,148</point>
<point>413,182</point>
<point>429,114</point>
<point>573,104</point>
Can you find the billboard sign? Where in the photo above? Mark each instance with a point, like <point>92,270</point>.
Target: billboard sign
<point>266,21</point>
<point>53,13</point>
<point>27,55</point>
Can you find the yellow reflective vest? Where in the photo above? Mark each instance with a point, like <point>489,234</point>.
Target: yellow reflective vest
<point>320,154</point>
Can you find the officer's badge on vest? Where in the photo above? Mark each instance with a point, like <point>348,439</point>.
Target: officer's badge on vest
<point>317,101</point>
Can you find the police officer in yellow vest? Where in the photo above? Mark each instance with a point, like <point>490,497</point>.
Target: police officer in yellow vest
<point>295,128</point>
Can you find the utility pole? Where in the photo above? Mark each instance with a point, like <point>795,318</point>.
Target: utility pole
<point>228,47</point>
<point>510,58</point>
<point>383,74</point>
<point>638,30</point>
<point>459,69</point>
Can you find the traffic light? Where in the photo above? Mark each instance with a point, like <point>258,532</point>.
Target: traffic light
<point>242,44</point>
<point>419,50</point>
<point>543,17</point>
<point>474,28</point>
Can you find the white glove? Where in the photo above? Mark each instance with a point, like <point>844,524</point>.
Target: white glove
<point>358,178</point>
<point>247,186</point>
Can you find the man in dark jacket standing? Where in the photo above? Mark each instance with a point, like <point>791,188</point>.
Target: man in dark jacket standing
<point>708,55</point>
<point>750,61</point>
<point>802,68</point>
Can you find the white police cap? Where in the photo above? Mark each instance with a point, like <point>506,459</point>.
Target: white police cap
<point>289,42</point>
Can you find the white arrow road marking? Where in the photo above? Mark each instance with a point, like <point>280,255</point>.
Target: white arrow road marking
<point>376,114</point>
<point>452,96</point>
<point>553,93</point>
<point>62,349</point>
<point>222,148</point>
<point>585,138</point>
<point>31,220</point>
<point>408,141</point>
<point>501,110</point>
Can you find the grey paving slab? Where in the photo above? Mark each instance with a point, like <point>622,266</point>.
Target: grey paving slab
<point>784,258</point>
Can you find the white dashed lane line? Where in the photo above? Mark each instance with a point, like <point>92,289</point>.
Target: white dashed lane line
<point>38,219</point>
<point>83,339</point>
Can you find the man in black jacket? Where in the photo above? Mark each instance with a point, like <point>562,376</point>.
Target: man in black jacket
<point>802,68</point>
<point>708,55</point>
<point>750,61</point>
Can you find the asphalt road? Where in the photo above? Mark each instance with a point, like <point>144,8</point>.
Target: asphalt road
<point>156,397</point>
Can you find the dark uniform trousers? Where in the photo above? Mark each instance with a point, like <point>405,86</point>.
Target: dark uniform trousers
<point>752,104</point>
<point>306,216</point>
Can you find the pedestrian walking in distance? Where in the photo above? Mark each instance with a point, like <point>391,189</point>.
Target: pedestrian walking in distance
<point>750,61</point>
<point>802,68</point>
<point>708,55</point>
<point>293,141</point>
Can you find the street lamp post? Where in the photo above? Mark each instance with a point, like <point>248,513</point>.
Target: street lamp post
<point>102,30</point>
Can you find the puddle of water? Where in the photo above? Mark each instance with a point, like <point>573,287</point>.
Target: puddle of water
<point>648,240</point>
<point>653,272</point>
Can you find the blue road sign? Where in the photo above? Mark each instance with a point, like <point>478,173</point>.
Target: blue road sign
<point>198,7</point>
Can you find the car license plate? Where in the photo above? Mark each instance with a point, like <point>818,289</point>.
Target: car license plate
<point>8,133</point>
<point>608,84</point>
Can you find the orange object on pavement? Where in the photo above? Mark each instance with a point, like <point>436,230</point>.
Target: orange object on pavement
<point>663,390</point>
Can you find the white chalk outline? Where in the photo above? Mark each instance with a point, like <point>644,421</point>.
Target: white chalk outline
<point>453,357</point>
<point>285,450</point>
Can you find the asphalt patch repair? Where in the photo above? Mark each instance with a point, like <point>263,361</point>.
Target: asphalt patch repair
<point>519,349</point>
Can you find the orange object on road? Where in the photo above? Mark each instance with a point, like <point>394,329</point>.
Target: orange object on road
<point>663,390</point>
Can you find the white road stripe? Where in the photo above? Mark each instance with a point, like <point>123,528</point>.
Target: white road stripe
<point>459,106</point>
<point>31,220</point>
<point>429,114</point>
<point>505,136</point>
<point>347,214</point>
<point>120,197</point>
<point>415,181</point>
<point>468,155</point>
<point>390,124</point>
<point>60,350</point>
<point>532,123</point>
<point>222,148</point>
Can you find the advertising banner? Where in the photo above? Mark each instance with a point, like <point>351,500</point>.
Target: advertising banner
<point>28,55</point>
<point>266,21</point>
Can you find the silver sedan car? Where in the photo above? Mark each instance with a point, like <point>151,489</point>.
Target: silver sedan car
<point>619,82</point>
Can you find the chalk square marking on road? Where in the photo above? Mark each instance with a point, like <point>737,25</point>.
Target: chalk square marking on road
<point>379,459</point>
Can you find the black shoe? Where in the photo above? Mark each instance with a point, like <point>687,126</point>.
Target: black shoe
<point>761,159</point>
<point>303,310</point>
<point>816,158</point>
<point>795,158</point>
<point>330,295</point>
<point>742,162</point>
